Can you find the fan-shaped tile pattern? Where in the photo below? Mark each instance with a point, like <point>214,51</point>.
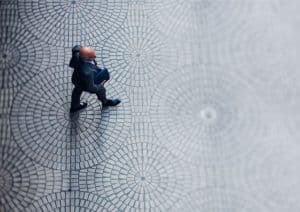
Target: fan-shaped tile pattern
<point>140,176</point>
<point>71,201</point>
<point>21,180</point>
<point>48,133</point>
<point>68,22</point>
<point>22,56</point>
<point>138,55</point>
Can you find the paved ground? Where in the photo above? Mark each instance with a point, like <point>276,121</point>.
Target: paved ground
<point>209,117</point>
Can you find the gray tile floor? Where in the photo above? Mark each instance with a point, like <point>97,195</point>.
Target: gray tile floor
<point>209,116</point>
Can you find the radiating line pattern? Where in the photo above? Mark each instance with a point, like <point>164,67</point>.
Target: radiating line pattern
<point>22,56</point>
<point>138,55</point>
<point>71,201</point>
<point>66,22</point>
<point>22,181</point>
<point>209,113</point>
<point>47,132</point>
<point>140,176</point>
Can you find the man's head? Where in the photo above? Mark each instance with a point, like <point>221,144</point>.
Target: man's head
<point>88,53</point>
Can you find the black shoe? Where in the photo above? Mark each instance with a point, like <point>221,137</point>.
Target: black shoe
<point>80,107</point>
<point>112,102</point>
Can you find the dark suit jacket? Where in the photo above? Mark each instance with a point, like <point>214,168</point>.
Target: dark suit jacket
<point>84,74</point>
<point>84,77</point>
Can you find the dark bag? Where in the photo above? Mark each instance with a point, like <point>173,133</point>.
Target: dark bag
<point>75,60</point>
<point>101,75</point>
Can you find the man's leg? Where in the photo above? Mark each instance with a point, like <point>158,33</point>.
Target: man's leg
<point>102,97</point>
<point>75,101</point>
<point>101,94</point>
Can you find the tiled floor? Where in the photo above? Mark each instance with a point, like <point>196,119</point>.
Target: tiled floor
<point>209,119</point>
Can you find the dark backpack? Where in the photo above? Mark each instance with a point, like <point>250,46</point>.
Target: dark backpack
<point>75,60</point>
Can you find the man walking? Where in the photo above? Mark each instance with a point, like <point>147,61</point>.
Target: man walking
<point>87,76</point>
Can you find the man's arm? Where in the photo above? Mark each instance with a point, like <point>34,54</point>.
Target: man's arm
<point>90,81</point>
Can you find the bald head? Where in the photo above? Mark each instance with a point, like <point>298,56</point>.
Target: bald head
<point>87,53</point>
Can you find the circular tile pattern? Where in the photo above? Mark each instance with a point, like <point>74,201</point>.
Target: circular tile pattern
<point>141,176</point>
<point>207,113</point>
<point>266,55</point>
<point>22,56</point>
<point>71,201</point>
<point>219,200</point>
<point>19,179</point>
<point>66,23</point>
<point>44,129</point>
<point>187,20</point>
<point>137,56</point>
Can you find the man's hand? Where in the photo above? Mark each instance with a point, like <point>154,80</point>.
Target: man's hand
<point>103,82</point>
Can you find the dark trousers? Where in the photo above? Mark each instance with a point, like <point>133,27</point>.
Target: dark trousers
<point>101,75</point>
